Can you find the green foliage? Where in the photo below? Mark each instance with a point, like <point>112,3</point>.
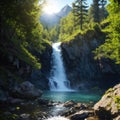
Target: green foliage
<point>73,36</point>
<point>21,31</point>
<point>91,30</point>
<point>47,42</point>
<point>111,47</point>
<point>46,34</point>
<point>54,33</point>
<point>67,27</point>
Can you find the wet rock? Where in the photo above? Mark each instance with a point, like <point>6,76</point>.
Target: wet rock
<point>39,115</point>
<point>69,103</point>
<point>80,106</point>
<point>109,106</point>
<point>26,90</point>
<point>24,117</point>
<point>73,108</point>
<point>74,105</point>
<point>69,112</point>
<point>92,118</point>
<point>81,115</point>
<point>117,118</point>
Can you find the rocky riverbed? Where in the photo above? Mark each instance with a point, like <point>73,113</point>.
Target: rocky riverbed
<point>40,109</point>
<point>25,103</point>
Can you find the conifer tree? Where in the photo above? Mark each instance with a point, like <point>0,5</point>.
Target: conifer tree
<point>111,47</point>
<point>103,11</point>
<point>96,17</point>
<point>80,12</point>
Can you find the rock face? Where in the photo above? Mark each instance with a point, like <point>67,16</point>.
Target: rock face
<point>81,68</point>
<point>40,77</point>
<point>109,106</point>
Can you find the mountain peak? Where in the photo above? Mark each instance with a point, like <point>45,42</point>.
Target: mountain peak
<point>66,8</point>
<point>55,18</point>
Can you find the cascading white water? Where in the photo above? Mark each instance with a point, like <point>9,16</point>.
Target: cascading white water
<point>58,80</point>
<point>57,118</point>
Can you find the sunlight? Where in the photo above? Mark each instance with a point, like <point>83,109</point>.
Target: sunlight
<point>50,8</point>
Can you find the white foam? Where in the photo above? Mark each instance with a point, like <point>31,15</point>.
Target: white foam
<point>57,118</point>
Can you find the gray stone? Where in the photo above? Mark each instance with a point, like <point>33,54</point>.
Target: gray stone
<point>117,118</point>
<point>70,103</point>
<point>25,116</point>
<point>109,105</point>
<point>81,115</point>
<point>26,90</point>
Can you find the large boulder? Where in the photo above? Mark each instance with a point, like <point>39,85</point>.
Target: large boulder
<point>109,106</point>
<point>26,90</point>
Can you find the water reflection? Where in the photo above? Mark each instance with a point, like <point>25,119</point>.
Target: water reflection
<point>74,95</point>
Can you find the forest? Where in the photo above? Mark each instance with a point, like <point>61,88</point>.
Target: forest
<point>90,46</point>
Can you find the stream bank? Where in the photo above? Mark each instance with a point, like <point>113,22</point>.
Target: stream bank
<point>108,108</point>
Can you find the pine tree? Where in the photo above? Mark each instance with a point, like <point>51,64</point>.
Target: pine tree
<point>96,12</point>
<point>111,47</point>
<point>103,11</point>
<point>80,12</point>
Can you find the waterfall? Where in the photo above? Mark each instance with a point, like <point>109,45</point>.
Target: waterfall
<point>58,80</point>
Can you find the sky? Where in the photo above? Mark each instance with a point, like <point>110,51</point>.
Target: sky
<point>59,4</point>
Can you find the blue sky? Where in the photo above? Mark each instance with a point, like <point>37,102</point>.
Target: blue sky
<point>61,3</point>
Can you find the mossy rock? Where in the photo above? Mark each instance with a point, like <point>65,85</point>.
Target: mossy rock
<point>109,103</point>
<point>117,101</point>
